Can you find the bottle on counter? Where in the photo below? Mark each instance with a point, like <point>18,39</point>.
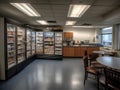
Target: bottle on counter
<point>73,42</point>
<point>77,43</point>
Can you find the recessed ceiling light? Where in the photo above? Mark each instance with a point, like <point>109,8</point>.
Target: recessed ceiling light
<point>77,10</point>
<point>26,8</point>
<point>43,22</point>
<point>70,22</point>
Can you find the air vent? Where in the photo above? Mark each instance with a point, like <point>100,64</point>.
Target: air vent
<point>51,21</point>
<point>86,24</point>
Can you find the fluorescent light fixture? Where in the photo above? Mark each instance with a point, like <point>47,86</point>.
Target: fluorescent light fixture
<point>42,22</point>
<point>26,8</point>
<point>77,10</point>
<point>70,22</point>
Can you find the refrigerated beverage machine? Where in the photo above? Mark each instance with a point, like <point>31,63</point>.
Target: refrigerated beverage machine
<point>49,44</point>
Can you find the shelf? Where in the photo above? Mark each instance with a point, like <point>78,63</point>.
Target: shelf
<point>39,43</point>
<point>11,65</point>
<point>11,51</point>
<point>58,49</point>
<point>20,48</point>
<point>29,50</point>
<point>49,41</point>
<point>11,36</point>
<point>11,42</point>
<point>58,43</point>
<point>11,56</point>
<point>19,61</point>
<point>20,53</point>
<point>20,35</point>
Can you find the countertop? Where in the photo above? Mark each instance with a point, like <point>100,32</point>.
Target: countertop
<point>82,46</point>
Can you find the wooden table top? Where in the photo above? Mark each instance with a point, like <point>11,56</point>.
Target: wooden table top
<point>99,52</point>
<point>108,61</point>
<point>104,52</point>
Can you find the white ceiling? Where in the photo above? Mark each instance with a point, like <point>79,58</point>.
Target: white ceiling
<point>101,12</point>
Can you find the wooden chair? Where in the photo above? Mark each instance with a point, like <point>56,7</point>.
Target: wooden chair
<point>90,70</point>
<point>93,62</point>
<point>112,79</point>
<point>114,54</point>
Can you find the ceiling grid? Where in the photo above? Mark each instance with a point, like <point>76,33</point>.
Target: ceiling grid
<point>57,10</point>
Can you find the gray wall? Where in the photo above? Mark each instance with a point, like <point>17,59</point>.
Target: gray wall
<point>2,59</point>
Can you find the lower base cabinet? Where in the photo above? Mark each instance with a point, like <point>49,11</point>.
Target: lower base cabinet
<point>68,51</point>
<point>71,51</point>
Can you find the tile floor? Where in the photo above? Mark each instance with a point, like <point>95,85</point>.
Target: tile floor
<point>50,75</point>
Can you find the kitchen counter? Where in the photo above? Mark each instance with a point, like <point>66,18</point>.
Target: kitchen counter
<point>78,50</point>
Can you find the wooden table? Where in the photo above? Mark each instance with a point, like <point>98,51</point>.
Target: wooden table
<point>104,53</point>
<point>99,52</point>
<point>111,62</point>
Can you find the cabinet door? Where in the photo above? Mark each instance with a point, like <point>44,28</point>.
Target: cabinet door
<point>49,43</point>
<point>11,46</point>
<point>20,44</point>
<point>29,43</point>
<point>39,42</point>
<point>71,35</point>
<point>58,43</point>
<point>68,35</point>
<point>90,50</point>
<point>68,51</point>
<point>77,51</point>
<point>83,51</point>
<point>65,51</point>
<point>71,51</point>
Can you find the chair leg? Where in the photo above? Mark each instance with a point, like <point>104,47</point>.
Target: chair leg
<point>85,78</point>
<point>106,86</point>
<point>98,82</point>
<point>90,63</point>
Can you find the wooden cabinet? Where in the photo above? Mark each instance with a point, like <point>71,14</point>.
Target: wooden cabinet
<point>91,49</point>
<point>77,51</point>
<point>68,35</point>
<point>70,51</point>
<point>83,51</point>
<point>65,51</point>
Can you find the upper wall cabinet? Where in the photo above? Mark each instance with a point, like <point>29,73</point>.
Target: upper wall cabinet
<point>68,35</point>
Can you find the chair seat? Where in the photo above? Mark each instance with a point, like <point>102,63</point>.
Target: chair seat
<point>92,70</point>
<point>97,65</point>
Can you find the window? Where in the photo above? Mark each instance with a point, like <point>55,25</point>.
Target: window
<point>106,36</point>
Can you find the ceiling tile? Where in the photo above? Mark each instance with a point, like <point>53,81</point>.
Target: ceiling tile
<point>58,10</point>
<point>39,1</point>
<point>107,2</point>
<point>98,11</point>
<point>85,2</point>
<point>60,2</point>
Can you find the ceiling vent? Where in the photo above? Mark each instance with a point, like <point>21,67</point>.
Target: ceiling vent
<point>86,24</point>
<point>51,22</point>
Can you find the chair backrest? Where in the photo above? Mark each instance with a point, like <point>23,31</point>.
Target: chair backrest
<point>112,77</point>
<point>85,59</point>
<point>85,53</point>
<point>114,54</point>
<point>93,56</point>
